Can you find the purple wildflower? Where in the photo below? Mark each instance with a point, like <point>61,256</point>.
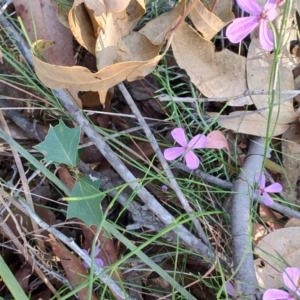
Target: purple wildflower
<point>241,27</point>
<point>197,142</point>
<point>291,278</point>
<point>263,190</point>
<point>229,288</point>
<point>164,188</point>
<point>98,261</point>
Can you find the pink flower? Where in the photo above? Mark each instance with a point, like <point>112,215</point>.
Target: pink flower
<point>197,142</point>
<point>241,27</point>
<point>263,190</point>
<point>98,261</point>
<point>164,188</point>
<point>230,289</point>
<point>291,277</point>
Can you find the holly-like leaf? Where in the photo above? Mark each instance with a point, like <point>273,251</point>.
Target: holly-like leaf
<point>88,210</point>
<point>60,144</point>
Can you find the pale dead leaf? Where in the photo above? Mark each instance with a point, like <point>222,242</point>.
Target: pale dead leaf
<point>268,216</point>
<point>82,79</point>
<point>157,29</point>
<point>85,21</point>
<point>113,6</point>
<point>132,47</point>
<point>62,16</point>
<point>253,124</point>
<point>259,70</point>
<point>213,73</point>
<point>222,9</point>
<point>274,249</point>
<point>127,19</point>
<point>293,222</point>
<point>258,232</point>
<point>206,21</point>
<point>1,57</point>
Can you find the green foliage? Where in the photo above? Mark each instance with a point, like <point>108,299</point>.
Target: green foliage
<point>60,144</point>
<point>88,210</point>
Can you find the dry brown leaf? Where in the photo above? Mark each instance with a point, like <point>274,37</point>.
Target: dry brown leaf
<point>23,275</point>
<point>215,74</point>
<point>157,29</point>
<point>278,247</point>
<point>206,21</point>
<point>293,222</point>
<point>258,232</point>
<point>73,267</point>
<point>259,69</point>
<point>132,47</point>
<point>254,124</point>
<point>268,216</point>
<point>88,18</point>
<point>41,22</point>
<point>114,6</point>
<point>222,9</point>
<point>85,22</point>
<point>82,79</point>
<point>126,20</point>
<point>291,151</point>
<point>62,16</point>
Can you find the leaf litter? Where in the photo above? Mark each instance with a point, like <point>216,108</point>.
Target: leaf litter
<point>124,50</point>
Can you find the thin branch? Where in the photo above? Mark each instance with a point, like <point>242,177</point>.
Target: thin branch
<point>156,148</point>
<point>71,243</point>
<point>246,281</point>
<point>291,93</point>
<point>286,211</point>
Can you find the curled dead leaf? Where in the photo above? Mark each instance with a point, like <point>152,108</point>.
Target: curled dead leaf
<point>81,78</point>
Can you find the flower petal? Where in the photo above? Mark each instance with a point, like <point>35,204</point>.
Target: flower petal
<point>290,278</point>
<point>85,265</point>
<point>179,136</point>
<point>99,262</point>
<point>273,294</point>
<point>267,199</point>
<point>240,28</point>
<point>265,36</point>
<point>96,251</point>
<point>274,188</point>
<point>197,142</point>
<point>173,153</point>
<point>250,6</point>
<point>192,160</point>
<point>261,180</point>
<point>270,10</point>
<point>229,288</point>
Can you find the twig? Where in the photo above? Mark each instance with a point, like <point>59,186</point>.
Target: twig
<point>246,282</point>
<point>287,211</point>
<point>163,98</point>
<point>31,130</point>
<point>70,242</point>
<point>155,146</point>
<point>204,176</point>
